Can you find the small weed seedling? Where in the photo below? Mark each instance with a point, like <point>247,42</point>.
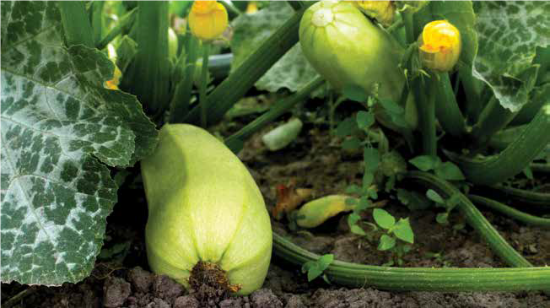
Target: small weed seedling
<point>396,236</point>
<point>316,268</point>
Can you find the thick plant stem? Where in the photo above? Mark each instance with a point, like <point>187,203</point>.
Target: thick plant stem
<point>125,23</point>
<point>533,139</point>
<point>418,278</point>
<point>182,95</point>
<point>493,118</point>
<point>524,197</point>
<point>472,87</point>
<point>408,20</point>
<point>473,217</point>
<point>76,24</point>
<point>511,212</point>
<point>152,74</point>
<point>235,140</point>
<point>243,78</point>
<point>96,18</point>
<point>203,100</point>
<point>426,114</point>
<point>449,114</point>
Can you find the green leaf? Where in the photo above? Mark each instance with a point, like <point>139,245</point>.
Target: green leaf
<point>57,124</point>
<point>368,178</point>
<point>353,189</point>
<point>365,120</point>
<point>449,171</point>
<point>434,196</point>
<point>346,127</point>
<point>371,156</point>
<point>292,71</point>
<point>442,218</point>
<point>352,143</point>
<point>355,93</point>
<point>314,269</point>
<point>425,162</point>
<point>509,33</point>
<point>386,242</point>
<point>355,229</point>
<point>383,218</point>
<point>403,231</point>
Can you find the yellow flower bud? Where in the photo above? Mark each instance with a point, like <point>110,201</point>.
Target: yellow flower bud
<point>252,7</point>
<point>207,19</point>
<point>382,11</point>
<point>440,46</point>
<point>113,83</point>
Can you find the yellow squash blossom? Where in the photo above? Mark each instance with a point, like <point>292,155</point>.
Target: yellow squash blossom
<point>113,83</point>
<point>440,46</point>
<point>207,19</point>
<point>382,11</point>
<point>252,7</point>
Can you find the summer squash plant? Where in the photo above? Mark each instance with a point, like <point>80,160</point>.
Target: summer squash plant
<point>443,87</point>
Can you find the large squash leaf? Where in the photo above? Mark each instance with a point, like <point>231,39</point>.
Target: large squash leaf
<point>509,32</point>
<point>59,129</point>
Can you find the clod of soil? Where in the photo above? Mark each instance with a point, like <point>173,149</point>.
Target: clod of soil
<point>209,284</point>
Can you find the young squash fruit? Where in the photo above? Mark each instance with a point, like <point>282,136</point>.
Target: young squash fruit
<point>346,48</point>
<point>207,218</point>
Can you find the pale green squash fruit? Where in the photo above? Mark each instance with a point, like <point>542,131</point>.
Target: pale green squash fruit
<point>346,48</point>
<point>204,206</point>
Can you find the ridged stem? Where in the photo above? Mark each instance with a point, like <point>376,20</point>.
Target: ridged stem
<point>419,279</point>
<point>514,158</point>
<point>203,101</point>
<point>472,88</point>
<point>524,197</point>
<point>448,113</point>
<point>511,212</point>
<point>425,104</point>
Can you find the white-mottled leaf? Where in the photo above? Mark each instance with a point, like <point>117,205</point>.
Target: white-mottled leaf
<point>58,123</point>
<point>292,71</point>
<point>509,32</point>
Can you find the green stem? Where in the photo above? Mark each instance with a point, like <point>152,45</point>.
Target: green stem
<point>524,197</point>
<point>124,23</point>
<point>418,278</point>
<point>473,217</point>
<point>514,158</point>
<point>152,75</point>
<point>493,118</point>
<point>17,298</point>
<point>449,114</point>
<point>472,87</point>
<point>179,105</point>
<point>76,23</point>
<point>203,83</point>
<point>235,140</point>
<point>243,78</point>
<point>97,20</point>
<point>408,20</point>
<point>511,212</point>
<point>426,114</point>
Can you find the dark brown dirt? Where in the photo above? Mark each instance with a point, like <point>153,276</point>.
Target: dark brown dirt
<point>315,161</point>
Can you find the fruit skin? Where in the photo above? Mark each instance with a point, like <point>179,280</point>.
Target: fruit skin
<point>204,206</point>
<point>316,212</point>
<point>348,49</point>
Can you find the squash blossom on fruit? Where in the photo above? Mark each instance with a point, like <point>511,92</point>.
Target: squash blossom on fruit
<point>382,11</point>
<point>439,46</point>
<point>207,19</point>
